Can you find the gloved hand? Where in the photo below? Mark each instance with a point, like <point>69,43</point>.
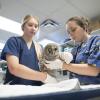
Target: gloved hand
<point>66,57</point>
<point>50,79</point>
<point>56,64</point>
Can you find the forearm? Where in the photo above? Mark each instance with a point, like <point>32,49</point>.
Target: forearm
<point>82,69</point>
<point>27,73</point>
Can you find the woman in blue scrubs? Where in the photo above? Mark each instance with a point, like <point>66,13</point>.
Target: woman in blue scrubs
<point>22,54</point>
<point>86,54</point>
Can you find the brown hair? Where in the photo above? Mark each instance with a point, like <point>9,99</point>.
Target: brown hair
<point>27,18</point>
<point>82,22</point>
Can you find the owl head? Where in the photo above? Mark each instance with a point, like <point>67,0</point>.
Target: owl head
<point>51,51</point>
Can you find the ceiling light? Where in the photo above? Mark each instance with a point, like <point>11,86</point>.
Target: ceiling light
<point>1,46</point>
<point>45,41</point>
<point>10,25</point>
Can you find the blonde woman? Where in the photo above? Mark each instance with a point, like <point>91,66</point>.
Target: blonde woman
<point>22,54</point>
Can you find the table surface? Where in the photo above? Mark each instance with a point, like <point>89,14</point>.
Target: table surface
<point>66,95</point>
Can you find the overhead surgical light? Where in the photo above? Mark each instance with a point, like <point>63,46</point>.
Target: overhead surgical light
<point>10,25</point>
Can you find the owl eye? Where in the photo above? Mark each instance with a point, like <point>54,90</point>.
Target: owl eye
<point>55,49</point>
<point>50,50</point>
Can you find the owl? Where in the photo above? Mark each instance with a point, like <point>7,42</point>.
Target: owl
<point>54,60</point>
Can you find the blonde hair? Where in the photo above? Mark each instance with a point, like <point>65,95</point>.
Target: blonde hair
<point>27,18</point>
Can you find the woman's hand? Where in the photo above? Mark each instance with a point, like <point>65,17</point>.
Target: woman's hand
<point>49,79</point>
<point>56,64</point>
<point>66,57</point>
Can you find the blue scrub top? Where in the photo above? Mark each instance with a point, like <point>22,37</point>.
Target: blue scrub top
<point>89,53</point>
<point>17,46</point>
